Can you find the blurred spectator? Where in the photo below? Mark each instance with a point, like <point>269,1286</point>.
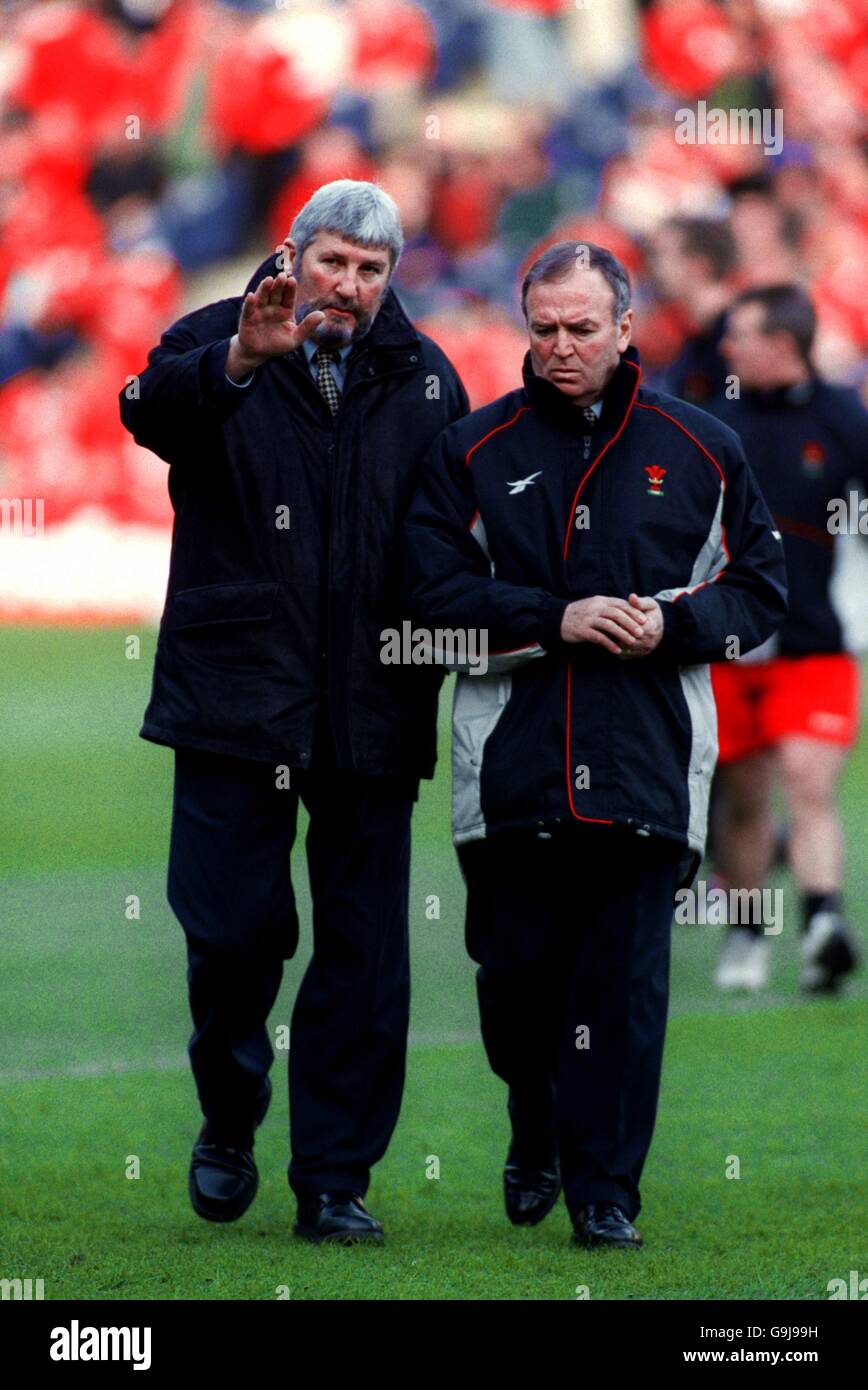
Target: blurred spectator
<point>144,140</point>
<point>693,259</point>
<point>766,232</point>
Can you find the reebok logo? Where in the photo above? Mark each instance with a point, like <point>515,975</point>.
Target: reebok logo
<point>522,483</point>
<point>76,1343</point>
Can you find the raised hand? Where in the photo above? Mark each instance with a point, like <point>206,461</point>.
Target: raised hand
<point>267,326</point>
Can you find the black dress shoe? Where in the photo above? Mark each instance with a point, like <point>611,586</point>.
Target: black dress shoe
<point>530,1191</point>
<point>223,1177</point>
<point>604,1225</point>
<point>337,1217</point>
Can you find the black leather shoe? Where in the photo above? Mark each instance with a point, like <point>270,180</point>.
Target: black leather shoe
<point>337,1217</point>
<point>223,1180</point>
<point>604,1225</point>
<point>530,1192</point>
<point>223,1177</point>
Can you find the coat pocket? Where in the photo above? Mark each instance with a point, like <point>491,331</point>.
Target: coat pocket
<point>217,604</point>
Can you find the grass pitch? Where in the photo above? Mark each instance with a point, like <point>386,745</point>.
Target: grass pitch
<point>93,1070</point>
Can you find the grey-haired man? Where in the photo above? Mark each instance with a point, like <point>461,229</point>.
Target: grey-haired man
<point>294,438</point>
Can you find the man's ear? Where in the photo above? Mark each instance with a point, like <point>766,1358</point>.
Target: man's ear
<point>625,331</point>
<point>286,255</point>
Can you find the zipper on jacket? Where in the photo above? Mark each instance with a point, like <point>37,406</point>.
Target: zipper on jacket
<point>586,439</point>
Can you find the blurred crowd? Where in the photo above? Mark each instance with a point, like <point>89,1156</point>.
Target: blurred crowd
<point>146,145</point>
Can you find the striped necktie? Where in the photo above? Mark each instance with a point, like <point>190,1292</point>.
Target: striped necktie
<point>324,379</point>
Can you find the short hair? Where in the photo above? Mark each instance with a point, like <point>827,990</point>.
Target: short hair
<point>360,212</point>
<point>708,237</point>
<point>560,260</point>
<point>786,309</point>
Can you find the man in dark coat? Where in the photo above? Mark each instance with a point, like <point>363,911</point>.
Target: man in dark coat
<point>611,542</point>
<point>294,438</point>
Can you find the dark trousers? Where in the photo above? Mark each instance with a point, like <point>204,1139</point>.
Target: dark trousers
<point>229,885</point>
<point>569,933</point>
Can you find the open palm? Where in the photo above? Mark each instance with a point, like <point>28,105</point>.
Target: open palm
<point>267,326</point>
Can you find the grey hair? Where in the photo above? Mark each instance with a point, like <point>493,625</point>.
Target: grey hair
<point>359,212</point>
<point>560,260</point>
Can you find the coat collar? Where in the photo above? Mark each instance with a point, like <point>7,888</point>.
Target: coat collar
<point>618,396</point>
<point>784,397</point>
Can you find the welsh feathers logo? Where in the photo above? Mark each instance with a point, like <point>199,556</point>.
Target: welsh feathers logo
<point>813,456</point>
<point>656,474</point>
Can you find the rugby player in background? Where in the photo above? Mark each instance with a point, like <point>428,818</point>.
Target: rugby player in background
<point>789,710</point>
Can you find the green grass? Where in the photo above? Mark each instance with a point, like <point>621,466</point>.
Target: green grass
<point>92,1068</point>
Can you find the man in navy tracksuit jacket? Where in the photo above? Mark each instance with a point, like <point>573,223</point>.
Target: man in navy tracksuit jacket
<point>789,713</point>
<point>610,541</point>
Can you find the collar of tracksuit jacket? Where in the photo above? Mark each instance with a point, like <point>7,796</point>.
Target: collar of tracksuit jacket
<point>784,397</point>
<point>618,399</point>
<point>390,345</point>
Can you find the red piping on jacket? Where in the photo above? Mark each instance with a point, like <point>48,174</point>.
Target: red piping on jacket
<point>521,410</point>
<point>505,426</point>
<point>686,431</point>
<point>711,459</point>
<point>805,531</point>
<point>686,593</point>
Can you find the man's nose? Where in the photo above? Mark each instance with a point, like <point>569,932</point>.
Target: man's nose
<point>563,346</point>
<point>346,286</point>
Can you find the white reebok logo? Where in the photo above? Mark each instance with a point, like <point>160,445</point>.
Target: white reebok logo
<point>522,483</point>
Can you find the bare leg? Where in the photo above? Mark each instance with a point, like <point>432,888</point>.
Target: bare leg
<point>746,826</point>
<point>745,846</point>
<point>810,770</point>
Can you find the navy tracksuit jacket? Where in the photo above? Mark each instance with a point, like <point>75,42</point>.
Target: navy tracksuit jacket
<point>516,515</point>
<point>808,444</point>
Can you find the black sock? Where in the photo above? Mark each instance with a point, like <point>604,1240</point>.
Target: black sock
<point>813,903</point>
